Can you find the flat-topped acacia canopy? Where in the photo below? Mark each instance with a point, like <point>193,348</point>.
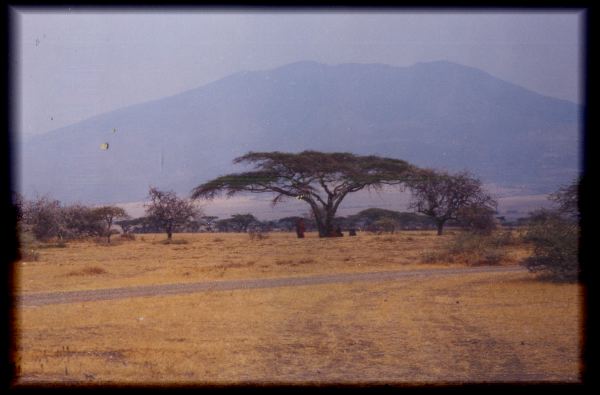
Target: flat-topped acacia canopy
<point>321,179</point>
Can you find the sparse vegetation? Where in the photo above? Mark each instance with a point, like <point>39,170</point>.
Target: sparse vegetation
<point>473,248</point>
<point>466,327</point>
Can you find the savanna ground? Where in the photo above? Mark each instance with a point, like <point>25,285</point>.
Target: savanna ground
<point>472,327</point>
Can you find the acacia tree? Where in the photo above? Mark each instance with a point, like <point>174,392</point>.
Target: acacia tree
<point>445,197</point>
<point>241,222</point>
<point>107,215</point>
<point>169,211</point>
<point>322,180</point>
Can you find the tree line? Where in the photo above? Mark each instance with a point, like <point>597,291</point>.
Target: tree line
<point>323,181</point>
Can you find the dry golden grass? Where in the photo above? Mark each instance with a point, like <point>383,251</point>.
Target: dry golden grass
<point>475,327</point>
<point>207,256</point>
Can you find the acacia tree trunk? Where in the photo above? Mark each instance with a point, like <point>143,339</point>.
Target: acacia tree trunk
<point>324,215</point>
<point>169,232</point>
<point>325,225</point>
<point>440,227</point>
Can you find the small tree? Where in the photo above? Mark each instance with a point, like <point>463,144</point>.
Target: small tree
<point>322,180</point>
<point>169,211</point>
<point>107,215</point>
<point>241,222</point>
<point>445,197</point>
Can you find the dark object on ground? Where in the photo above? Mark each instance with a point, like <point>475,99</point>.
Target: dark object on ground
<point>300,228</point>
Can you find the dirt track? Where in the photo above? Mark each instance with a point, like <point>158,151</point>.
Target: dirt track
<point>40,299</point>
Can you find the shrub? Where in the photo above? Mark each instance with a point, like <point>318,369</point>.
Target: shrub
<point>102,241</point>
<point>127,236</point>
<point>257,235</point>
<point>555,239</point>
<point>472,248</point>
<point>29,255</point>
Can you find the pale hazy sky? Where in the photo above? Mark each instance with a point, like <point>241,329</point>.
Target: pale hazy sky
<point>74,65</point>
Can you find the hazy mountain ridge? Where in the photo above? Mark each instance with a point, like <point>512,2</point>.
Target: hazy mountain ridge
<point>436,114</point>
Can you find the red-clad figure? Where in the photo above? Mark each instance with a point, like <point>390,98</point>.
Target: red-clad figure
<point>300,228</point>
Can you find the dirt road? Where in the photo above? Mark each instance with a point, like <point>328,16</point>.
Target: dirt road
<point>40,299</point>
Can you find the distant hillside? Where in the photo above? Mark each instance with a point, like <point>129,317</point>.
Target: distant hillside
<point>437,114</point>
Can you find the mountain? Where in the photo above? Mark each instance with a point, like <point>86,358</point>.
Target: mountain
<point>436,114</point>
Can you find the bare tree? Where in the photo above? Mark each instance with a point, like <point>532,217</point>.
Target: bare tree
<point>322,180</point>
<point>445,197</point>
<point>169,211</point>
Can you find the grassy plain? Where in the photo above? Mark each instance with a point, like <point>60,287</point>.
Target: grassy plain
<point>477,327</point>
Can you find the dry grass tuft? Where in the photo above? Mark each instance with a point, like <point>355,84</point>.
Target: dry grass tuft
<point>474,249</point>
<point>258,235</point>
<point>88,271</point>
<point>172,241</point>
<point>52,245</point>
<point>127,237</point>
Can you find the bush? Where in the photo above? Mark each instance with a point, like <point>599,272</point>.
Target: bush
<point>555,240</point>
<point>127,236</point>
<point>103,242</point>
<point>471,248</point>
<point>257,235</point>
<point>477,219</point>
<point>29,255</point>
